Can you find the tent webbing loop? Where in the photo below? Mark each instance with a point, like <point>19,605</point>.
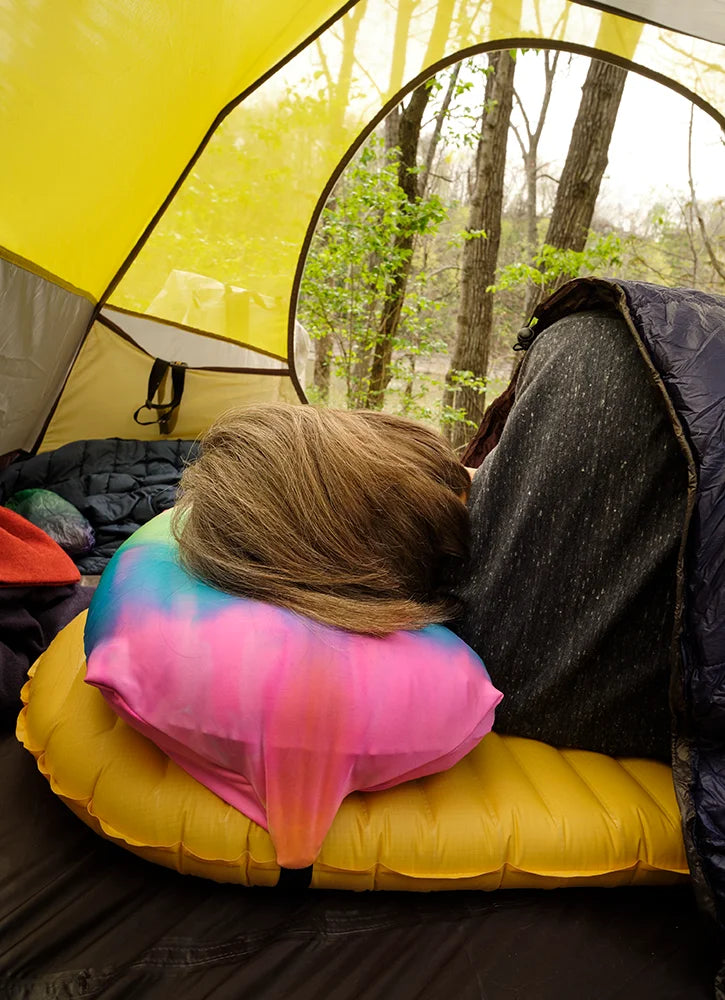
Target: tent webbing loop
<point>164,411</point>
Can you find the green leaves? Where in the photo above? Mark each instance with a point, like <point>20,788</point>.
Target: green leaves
<point>551,264</point>
<point>354,258</point>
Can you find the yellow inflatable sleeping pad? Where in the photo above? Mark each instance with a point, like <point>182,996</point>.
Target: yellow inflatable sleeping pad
<point>514,813</point>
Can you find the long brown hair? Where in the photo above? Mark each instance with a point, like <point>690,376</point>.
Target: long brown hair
<point>355,519</point>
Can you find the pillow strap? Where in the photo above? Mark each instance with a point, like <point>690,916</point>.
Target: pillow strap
<point>295,878</point>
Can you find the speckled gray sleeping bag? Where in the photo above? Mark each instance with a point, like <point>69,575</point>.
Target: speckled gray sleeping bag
<point>577,518</point>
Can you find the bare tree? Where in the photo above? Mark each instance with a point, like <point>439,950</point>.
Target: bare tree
<point>716,264</point>
<point>530,148</point>
<point>480,251</point>
<point>425,174</point>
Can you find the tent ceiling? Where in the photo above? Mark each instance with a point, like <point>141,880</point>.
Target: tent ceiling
<point>103,104</point>
<point>702,19</point>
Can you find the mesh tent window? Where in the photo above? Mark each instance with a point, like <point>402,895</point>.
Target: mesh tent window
<point>121,122</point>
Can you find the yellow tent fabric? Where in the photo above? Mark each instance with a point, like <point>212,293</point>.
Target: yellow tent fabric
<point>110,380</point>
<point>105,106</point>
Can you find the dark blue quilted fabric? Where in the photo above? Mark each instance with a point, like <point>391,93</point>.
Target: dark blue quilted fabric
<point>116,484</point>
<point>682,333</point>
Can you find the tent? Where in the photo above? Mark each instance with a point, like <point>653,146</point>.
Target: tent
<point>121,242</point>
<point>122,238</point>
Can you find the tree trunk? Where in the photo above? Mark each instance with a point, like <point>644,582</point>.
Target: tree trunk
<point>531,166</point>
<point>321,371</point>
<point>716,265</point>
<point>585,164</point>
<point>408,125</point>
<point>405,10</point>
<point>588,156</point>
<point>480,253</point>
<point>425,174</point>
<point>324,346</point>
<point>339,91</point>
<point>530,149</point>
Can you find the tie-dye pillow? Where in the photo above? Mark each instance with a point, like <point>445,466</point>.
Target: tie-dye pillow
<point>278,715</point>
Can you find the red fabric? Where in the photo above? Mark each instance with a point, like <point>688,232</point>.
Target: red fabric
<point>30,557</point>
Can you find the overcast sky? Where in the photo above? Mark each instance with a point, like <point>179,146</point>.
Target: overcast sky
<point>648,153</point>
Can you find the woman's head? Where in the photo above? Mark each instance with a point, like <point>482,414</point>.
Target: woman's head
<point>356,519</point>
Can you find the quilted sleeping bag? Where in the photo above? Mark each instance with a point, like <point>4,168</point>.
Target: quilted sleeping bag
<point>681,333</point>
<point>116,484</point>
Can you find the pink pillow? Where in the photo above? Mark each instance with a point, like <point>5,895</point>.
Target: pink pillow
<point>279,716</point>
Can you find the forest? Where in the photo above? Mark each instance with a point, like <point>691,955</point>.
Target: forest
<point>486,187</point>
<point>454,219</point>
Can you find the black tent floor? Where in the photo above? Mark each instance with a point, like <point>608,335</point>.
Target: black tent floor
<point>81,918</point>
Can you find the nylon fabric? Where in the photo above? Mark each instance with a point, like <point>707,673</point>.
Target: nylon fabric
<point>115,484</point>
<point>161,340</point>
<point>40,327</point>
<point>514,813</point>
<point>94,156</point>
<point>133,929</point>
<point>682,333</point>
<point>103,106</point>
<point>278,715</point>
<point>262,215</point>
<point>110,380</point>
<point>703,20</point>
